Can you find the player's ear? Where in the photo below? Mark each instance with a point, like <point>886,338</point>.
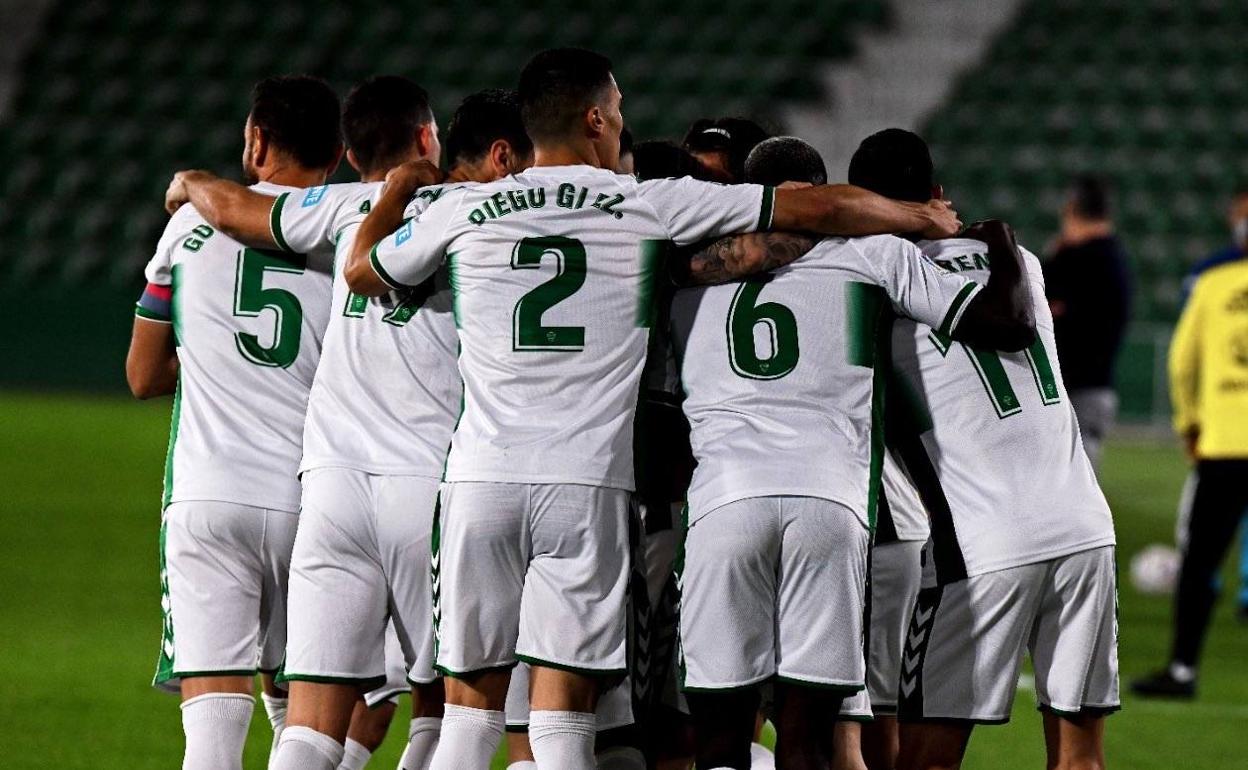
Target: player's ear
<point>329,171</point>
<point>259,146</point>
<point>354,162</point>
<point>427,141</point>
<point>501,158</point>
<point>595,122</point>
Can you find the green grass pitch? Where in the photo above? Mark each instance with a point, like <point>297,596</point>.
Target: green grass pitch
<point>79,498</point>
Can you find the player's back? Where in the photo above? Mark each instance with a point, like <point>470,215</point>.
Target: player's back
<point>248,325</point>
<point>552,271</point>
<point>386,393</point>
<point>998,456</point>
<point>782,371</point>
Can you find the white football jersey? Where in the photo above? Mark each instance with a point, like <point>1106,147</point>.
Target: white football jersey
<point>387,392</point>
<point>553,272</point>
<point>901,516</point>
<point>996,455</point>
<point>248,325</point>
<point>783,373</point>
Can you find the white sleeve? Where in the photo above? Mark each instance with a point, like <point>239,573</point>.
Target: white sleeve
<point>178,230</point>
<point>693,210</point>
<point>309,221</point>
<point>918,288</point>
<point>412,253</point>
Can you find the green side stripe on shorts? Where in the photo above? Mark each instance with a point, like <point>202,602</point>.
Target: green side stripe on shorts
<point>164,661</point>
<point>275,222</point>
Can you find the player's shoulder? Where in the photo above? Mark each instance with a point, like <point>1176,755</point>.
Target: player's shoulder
<point>337,195</point>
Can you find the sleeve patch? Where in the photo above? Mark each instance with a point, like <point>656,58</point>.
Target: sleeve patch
<point>314,195</point>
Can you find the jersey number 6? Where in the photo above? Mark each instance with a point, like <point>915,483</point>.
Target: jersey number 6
<point>744,316</point>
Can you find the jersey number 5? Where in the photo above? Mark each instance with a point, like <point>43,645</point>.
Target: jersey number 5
<point>251,299</point>
<point>527,331</point>
<point>744,316</point>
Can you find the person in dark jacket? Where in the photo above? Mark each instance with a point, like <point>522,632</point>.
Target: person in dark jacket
<point>1088,283</point>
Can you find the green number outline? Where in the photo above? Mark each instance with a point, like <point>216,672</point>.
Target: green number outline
<point>743,315</point>
<point>251,299</point>
<point>527,331</point>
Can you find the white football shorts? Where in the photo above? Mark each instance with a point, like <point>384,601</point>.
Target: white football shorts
<point>223,581</point>
<point>774,586</point>
<point>896,574</point>
<point>966,641</point>
<point>361,560</point>
<point>531,572</point>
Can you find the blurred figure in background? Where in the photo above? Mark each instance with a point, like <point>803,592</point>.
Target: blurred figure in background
<point>1088,284</point>
<point>1209,390</point>
<point>1237,222</point>
<point>722,145</point>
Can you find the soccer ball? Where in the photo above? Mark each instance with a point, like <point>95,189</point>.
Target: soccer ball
<point>1155,570</point>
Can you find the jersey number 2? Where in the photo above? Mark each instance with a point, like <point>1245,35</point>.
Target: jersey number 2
<point>251,298</point>
<point>744,316</point>
<point>527,331</point>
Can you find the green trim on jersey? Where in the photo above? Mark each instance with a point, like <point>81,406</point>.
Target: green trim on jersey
<point>768,208</point>
<point>164,661</point>
<point>947,324</point>
<point>147,315</point>
<point>174,421</point>
<point>592,672</point>
<point>381,271</point>
<point>444,671</point>
<point>653,257</point>
<point>275,222</point>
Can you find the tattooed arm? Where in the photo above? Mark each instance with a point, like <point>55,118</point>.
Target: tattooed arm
<point>737,256</point>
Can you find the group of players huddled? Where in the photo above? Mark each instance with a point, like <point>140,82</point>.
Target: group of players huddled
<point>616,450</point>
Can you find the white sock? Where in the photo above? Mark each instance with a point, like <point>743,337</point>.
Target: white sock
<point>216,729</point>
<point>563,740</point>
<point>469,738</point>
<point>422,740</point>
<point>354,756</point>
<point>276,709</point>
<point>621,758</point>
<point>761,758</point>
<point>524,764</point>
<point>302,748</point>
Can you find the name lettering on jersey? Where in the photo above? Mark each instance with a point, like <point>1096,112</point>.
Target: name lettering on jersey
<point>366,207</point>
<point>964,262</point>
<point>196,239</point>
<point>567,195</point>
<point>430,194</point>
<point>314,195</point>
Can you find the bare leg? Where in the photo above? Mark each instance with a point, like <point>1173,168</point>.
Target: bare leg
<point>723,724</point>
<point>805,717</point>
<point>1074,743</point>
<point>369,725</point>
<point>846,749</point>
<point>323,707</point>
<point>933,745</point>
<point>880,742</point>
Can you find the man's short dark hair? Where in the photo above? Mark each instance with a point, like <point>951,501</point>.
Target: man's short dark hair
<point>666,160</point>
<point>894,163</point>
<point>735,137</point>
<point>381,118</point>
<point>557,87</point>
<point>480,120</point>
<point>783,159</point>
<point>1090,197</point>
<point>299,116</point>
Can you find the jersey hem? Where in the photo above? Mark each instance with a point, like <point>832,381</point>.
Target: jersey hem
<point>270,505</point>
<point>537,478</point>
<point>716,503</point>
<point>1027,561</point>
<point>371,470</point>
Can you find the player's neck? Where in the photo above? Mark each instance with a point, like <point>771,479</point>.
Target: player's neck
<point>1077,231</point>
<point>292,175</point>
<point>582,153</point>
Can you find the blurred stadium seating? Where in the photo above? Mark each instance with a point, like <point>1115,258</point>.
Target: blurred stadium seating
<point>101,120</point>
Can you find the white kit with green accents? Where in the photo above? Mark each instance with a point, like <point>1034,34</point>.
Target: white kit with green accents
<point>783,373</point>
<point>387,394</point>
<point>248,324</point>
<point>997,454</point>
<point>552,271</point>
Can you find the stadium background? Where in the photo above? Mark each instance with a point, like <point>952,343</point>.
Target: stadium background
<point>101,101</point>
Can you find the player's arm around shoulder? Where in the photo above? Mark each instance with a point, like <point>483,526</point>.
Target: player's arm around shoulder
<point>847,210</point>
<point>240,212</point>
<point>412,258</point>
<point>738,256</point>
<point>1000,316</point>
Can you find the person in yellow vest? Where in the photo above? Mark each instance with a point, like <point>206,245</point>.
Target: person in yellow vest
<point>1209,390</point>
